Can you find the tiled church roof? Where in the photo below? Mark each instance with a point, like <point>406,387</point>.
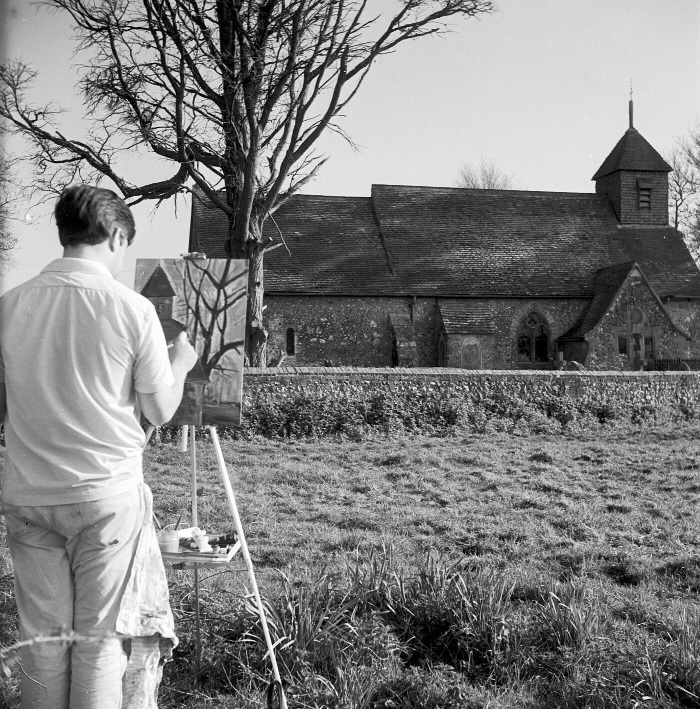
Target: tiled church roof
<point>663,256</point>
<point>608,282</point>
<point>460,316</point>
<point>454,242</point>
<point>633,153</point>
<point>331,245</point>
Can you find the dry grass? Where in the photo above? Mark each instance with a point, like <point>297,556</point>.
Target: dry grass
<point>618,508</point>
<point>584,552</point>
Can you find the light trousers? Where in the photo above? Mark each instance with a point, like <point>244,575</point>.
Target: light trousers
<point>72,564</point>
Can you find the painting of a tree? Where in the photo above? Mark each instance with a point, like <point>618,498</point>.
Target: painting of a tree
<point>207,299</point>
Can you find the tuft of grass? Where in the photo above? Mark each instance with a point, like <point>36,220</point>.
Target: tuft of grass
<point>566,619</point>
<point>312,624</point>
<point>684,572</point>
<point>626,569</point>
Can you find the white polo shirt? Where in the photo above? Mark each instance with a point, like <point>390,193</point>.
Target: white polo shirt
<point>75,347</point>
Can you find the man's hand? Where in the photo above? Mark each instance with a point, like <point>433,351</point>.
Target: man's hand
<point>182,355</point>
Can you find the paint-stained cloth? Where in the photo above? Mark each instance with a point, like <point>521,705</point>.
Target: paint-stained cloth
<point>145,616</point>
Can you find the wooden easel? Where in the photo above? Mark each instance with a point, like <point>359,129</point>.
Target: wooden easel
<point>195,560</point>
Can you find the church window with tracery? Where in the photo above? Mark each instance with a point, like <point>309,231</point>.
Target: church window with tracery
<point>533,339</point>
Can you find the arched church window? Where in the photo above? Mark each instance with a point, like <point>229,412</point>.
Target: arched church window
<point>291,342</point>
<point>533,339</point>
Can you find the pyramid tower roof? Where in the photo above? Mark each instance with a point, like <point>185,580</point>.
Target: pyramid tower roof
<point>158,285</point>
<point>634,153</point>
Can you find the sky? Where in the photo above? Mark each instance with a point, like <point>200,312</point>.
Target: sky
<point>540,87</point>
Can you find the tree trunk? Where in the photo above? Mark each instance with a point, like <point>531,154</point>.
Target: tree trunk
<point>256,335</point>
<point>251,249</point>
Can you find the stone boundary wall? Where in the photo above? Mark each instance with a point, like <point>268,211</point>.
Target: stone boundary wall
<point>301,402</point>
<point>260,374</point>
<point>622,387</point>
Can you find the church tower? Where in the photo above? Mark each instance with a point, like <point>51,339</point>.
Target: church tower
<point>161,293</point>
<point>634,177</point>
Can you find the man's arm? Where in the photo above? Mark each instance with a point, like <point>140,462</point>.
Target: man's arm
<point>160,406</point>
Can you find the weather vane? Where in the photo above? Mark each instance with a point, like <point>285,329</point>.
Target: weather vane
<point>631,106</point>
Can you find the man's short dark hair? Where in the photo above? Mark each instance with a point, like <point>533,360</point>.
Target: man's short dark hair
<point>88,215</point>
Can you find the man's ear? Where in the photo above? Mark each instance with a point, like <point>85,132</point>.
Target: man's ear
<point>115,239</point>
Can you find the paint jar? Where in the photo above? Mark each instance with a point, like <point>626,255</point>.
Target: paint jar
<point>168,541</point>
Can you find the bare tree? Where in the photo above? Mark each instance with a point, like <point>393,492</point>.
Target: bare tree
<point>233,93</point>
<point>684,190</point>
<point>7,205</point>
<point>485,176</point>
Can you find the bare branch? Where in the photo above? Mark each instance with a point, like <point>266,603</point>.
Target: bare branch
<point>235,95</point>
<point>684,190</point>
<point>8,203</point>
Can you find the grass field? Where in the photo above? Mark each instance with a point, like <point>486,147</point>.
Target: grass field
<point>469,571</point>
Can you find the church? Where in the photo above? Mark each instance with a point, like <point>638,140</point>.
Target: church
<point>481,279</point>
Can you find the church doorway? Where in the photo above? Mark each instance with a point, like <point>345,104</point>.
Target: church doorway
<point>471,354</point>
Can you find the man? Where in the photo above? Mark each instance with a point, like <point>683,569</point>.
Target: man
<point>80,356</point>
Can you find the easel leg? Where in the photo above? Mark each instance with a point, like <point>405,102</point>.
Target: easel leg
<point>149,433</point>
<point>195,523</point>
<point>248,561</point>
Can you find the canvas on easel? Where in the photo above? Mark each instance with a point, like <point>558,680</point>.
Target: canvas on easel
<point>207,299</point>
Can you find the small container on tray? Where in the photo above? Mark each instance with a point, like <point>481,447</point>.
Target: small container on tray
<point>223,549</point>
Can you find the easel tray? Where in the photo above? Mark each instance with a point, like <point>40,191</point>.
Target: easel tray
<point>184,558</point>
